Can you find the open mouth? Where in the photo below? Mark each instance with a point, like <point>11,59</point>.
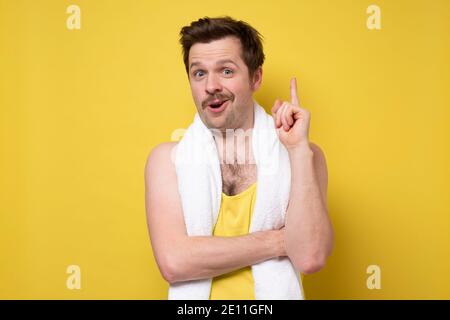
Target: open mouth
<point>218,106</point>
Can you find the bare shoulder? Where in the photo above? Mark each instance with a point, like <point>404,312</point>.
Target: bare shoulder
<point>160,158</point>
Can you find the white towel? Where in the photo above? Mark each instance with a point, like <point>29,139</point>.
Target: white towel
<point>200,187</point>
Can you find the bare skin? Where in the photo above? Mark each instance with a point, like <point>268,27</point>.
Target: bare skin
<point>236,177</point>
<point>181,257</point>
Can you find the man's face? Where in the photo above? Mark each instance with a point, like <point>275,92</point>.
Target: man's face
<point>217,73</point>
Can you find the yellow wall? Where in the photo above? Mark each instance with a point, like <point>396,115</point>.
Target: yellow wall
<point>81,109</point>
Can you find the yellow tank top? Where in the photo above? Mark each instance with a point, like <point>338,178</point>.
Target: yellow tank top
<point>234,220</point>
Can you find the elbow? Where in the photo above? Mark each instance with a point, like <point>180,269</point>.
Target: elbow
<point>168,274</point>
<point>310,264</point>
<point>315,260</point>
<point>170,269</point>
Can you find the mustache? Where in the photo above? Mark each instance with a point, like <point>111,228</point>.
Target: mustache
<point>220,97</point>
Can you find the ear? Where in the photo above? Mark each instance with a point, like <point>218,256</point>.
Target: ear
<point>257,78</point>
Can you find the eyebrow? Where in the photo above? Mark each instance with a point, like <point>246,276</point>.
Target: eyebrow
<point>223,61</point>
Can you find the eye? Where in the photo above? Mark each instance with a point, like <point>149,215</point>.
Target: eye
<point>230,71</point>
<point>197,72</point>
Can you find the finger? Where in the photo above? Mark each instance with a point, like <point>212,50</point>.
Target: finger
<point>290,116</point>
<point>284,117</point>
<point>275,107</point>
<point>279,115</point>
<point>279,112</point>
<point>294,97</point>
<point>297,113</point>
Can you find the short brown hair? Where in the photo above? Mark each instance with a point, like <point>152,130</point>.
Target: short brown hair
<point>208,29</point>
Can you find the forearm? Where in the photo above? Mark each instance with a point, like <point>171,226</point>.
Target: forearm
<point>202,257</point>
<point>308,228</point>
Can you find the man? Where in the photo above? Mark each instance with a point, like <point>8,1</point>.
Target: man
<point>223,60</point>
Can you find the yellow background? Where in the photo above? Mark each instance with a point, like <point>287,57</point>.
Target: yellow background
<point>81,109</point>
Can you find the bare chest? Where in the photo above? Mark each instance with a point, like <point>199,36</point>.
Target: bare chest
<point>237,177</point>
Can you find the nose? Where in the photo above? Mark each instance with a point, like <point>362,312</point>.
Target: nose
<point>213,84</point>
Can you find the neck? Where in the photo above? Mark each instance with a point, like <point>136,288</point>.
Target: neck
<point>234,145</point>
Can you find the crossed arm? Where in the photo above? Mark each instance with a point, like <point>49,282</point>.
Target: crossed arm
<point>181,257</point>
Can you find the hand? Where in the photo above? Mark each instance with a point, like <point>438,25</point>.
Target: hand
<point>291,121</point>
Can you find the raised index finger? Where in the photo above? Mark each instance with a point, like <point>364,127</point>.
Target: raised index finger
<point>294,98</point>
